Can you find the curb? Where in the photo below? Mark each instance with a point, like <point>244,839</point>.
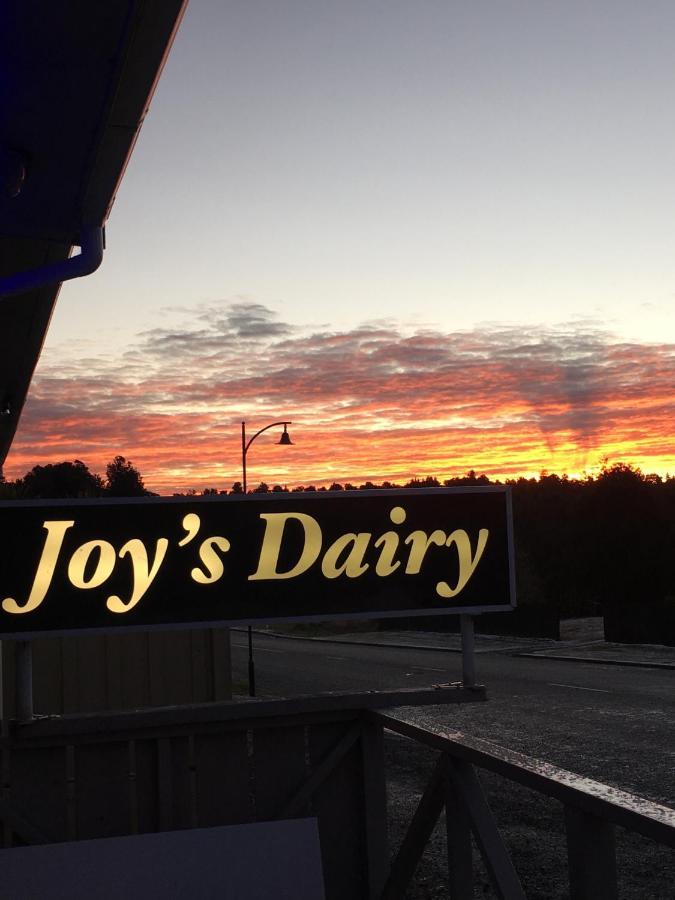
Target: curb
<point>328,640</point>
<point>599,662</point>
<point>438,649</point>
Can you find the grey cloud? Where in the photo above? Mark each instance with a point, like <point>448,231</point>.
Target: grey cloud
<point>188,378</point>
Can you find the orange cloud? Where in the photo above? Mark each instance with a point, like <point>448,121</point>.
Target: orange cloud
<point>375,402</point>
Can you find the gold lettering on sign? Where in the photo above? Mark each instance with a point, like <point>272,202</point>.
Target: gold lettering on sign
<point>143,573</point>
<point>271,545</point>
<point>211,560</point>
<point>104,566</point>
<point>292,543</point>
<point>419,544</point>
<point>467,563</point>
<point>191,524</point>
<point>347,554</point>
<point>353,564</point>
<point>389,542</point>
<point>45,570</point>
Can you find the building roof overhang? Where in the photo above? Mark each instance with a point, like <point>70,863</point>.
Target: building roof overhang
<point>76,80</point>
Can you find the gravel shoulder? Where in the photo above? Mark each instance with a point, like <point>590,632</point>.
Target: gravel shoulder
<point>532,827</point>
<point>602,651</point>
<point>571,727</point>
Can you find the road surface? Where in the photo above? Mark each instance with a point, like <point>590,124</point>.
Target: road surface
<point>612,723</point>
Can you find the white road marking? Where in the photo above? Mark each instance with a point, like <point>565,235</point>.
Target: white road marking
<point>267,650</point>
<point>419,670</point>
<point>577,687</point>
<point>342,658</point>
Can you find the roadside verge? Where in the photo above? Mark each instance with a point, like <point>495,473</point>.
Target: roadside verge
<point>598,653</point>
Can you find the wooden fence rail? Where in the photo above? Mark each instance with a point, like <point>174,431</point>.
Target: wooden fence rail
<point>76,777</point>
<point>592,810</point>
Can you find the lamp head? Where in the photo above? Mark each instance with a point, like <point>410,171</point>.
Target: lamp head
<point>285,437</point>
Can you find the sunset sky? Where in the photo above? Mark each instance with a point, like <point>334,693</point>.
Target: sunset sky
<point>434,235</point>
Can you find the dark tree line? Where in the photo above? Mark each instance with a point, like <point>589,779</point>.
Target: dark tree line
<point>600,545</point>
<point>71,480</point>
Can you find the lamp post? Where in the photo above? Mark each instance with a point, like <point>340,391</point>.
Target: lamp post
<point>285,439</point>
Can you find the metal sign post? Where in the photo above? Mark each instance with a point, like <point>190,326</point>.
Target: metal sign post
<point>24,681</point>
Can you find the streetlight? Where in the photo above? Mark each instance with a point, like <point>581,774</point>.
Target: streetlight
<point>285,439</point>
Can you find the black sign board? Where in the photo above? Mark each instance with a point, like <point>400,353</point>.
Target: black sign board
<point>67,566</point>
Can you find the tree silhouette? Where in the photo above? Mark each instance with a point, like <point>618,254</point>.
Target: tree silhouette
<point>123,479</point>
<point>64,479</point>
<point>600,545</point>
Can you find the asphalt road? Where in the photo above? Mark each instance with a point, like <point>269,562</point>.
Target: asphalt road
<point>612,723</point>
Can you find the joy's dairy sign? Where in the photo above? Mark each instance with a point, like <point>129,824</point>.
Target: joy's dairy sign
<point>67,566</point>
